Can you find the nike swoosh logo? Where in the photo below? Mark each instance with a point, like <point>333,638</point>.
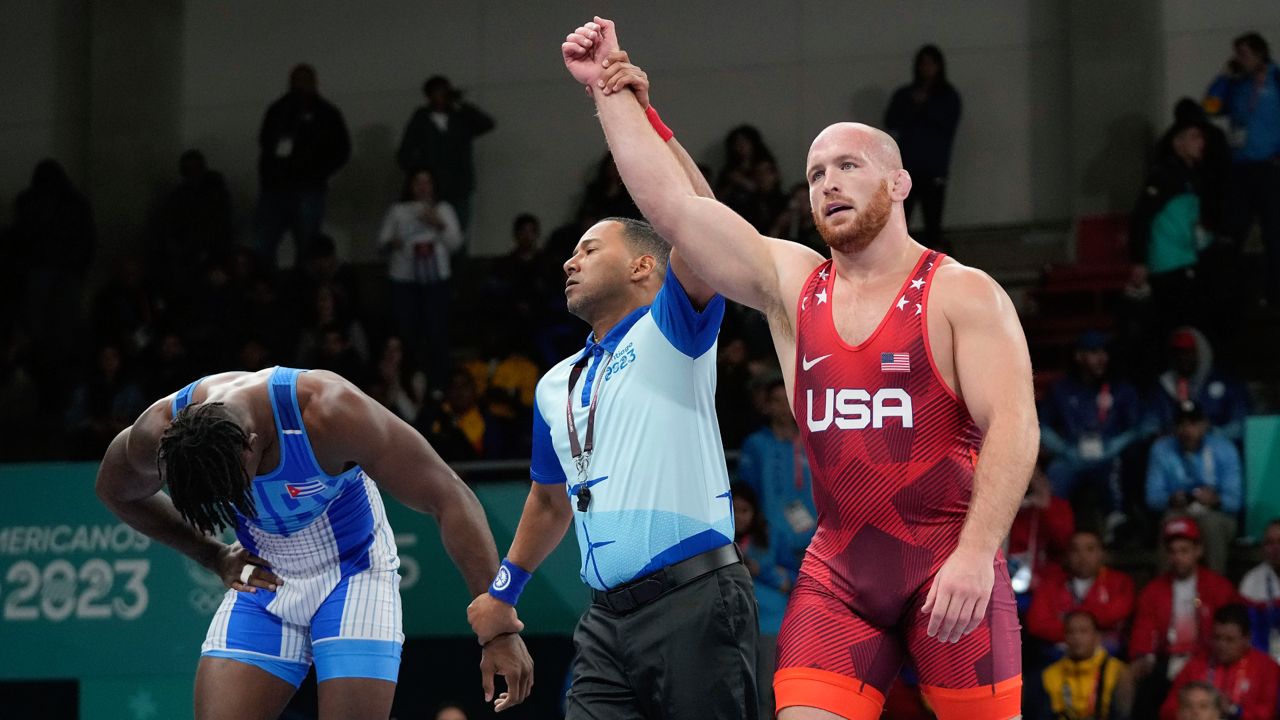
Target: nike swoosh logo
<point>807,363</point>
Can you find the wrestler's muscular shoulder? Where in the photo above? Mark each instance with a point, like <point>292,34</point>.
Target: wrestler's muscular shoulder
<point>960,295</point>
<point>794,263</point>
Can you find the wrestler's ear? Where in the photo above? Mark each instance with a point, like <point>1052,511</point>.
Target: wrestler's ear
<point>900,185</point>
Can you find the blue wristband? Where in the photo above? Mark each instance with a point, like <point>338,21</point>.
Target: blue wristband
<point>509,582</point>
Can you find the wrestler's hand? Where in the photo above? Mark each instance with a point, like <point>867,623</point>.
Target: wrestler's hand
<point>958,598</point>
<point>507,656</point>
<point>585,49</point>
<point>490,617</point>
<point>619,74</point>
<point>230,564</point>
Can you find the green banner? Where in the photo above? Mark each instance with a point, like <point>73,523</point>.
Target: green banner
<point>82,595</point>
<point>1262,472</point>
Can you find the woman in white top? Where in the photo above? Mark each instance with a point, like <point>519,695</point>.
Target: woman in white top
<point>417,238</point>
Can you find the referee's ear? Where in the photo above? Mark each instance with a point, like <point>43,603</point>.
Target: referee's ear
<point>643,267</point>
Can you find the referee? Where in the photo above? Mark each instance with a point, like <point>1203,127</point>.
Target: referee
<point>627,443</point>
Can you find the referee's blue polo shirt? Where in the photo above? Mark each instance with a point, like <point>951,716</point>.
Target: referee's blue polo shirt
<point>659,488</point>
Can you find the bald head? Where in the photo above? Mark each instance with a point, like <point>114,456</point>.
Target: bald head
<point>876,145</point>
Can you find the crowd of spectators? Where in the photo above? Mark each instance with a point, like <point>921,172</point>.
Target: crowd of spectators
<point>1149,457</point>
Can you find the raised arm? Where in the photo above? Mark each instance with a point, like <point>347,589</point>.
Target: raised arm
<point>721,247</point>
<point>993,371</point>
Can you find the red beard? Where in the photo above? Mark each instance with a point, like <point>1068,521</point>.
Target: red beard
<point>864,228</point>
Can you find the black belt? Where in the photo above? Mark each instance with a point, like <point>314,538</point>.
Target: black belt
<point>627,598</point>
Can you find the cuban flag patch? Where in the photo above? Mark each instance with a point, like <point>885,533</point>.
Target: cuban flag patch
<point>298,490</point>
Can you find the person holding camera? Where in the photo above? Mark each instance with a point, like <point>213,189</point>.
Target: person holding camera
<point>439,137</point>
<point>1248,94</point>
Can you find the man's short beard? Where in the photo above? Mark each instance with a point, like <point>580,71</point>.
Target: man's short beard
<point>864,228</point>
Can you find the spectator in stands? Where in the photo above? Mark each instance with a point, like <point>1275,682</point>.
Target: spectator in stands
<point>302,143</point>
<point>324,268</point>
<point>336,354</point>
<point>328,309</point>
<point>1261,589</point>
<point>106,402</point>
<point>773,567</point>
<point>192,226</point>
<point>767,201</point>
<point>1247,678</point>
<point>460,428</point>
<point>440,138</point>
<point>775,465</point>
<point>1083,583</point>
<point>397,386</point>
<point>744,150</point>
<point>1173,619</point>
<point>253,354</point>
<point>52,239</point>
<point>417,237</point>
<point>169,365</point>
<point>1087,420</point>
<point>1199,700</point>
<point>1192,376</point>
<point>1040,536</point>
<point>450,711</point>
<point>1088,682</point>
<point>1168,232</point>
<point>517,283</point>
<point>795,222</point>
<point>20,406</point>
<point>125,311</point>
<point>607,194</point>
<point>274,317</point>
<point>738,418</point>
<point>1248,93</point>
<point>923,117</point>
<point>1196,472</point>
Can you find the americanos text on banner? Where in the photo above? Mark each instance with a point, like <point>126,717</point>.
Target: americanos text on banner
<point>86,572</point>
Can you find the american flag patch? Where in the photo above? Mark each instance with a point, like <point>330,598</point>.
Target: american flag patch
<point>895,362</point>
<point>304,489</point>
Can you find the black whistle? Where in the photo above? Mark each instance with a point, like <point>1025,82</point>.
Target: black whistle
<point>584,498</point>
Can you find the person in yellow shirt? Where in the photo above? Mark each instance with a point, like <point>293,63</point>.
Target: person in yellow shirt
<point>1088,683</point>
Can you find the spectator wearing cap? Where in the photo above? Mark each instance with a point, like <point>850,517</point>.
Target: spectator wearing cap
<point>1082,583</point>
<point>1088,682</point>
<point>1261,589</point>
<point>1247,678</point>
<point>1196,472</point>
<point>1086,421</point>
<point>1175,610</point>
<point>1192,376</point>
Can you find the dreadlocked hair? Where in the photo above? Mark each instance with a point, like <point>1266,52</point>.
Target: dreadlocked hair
<point>200,460</point>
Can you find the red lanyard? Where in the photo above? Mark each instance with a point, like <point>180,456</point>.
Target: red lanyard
<point>582,450</point>
<point>1105,401</point>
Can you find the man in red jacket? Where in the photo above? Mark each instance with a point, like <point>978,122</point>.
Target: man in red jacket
<point>1247,678</point>
<point>1083,583</point>
<point>1175,612</point>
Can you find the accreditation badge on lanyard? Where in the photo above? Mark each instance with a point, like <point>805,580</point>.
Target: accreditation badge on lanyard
<point>581,449</point>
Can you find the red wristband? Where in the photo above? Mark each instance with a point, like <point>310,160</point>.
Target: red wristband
<point>659,127</point>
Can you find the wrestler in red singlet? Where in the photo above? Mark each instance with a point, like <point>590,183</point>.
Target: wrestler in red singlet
<point>892,451</point>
